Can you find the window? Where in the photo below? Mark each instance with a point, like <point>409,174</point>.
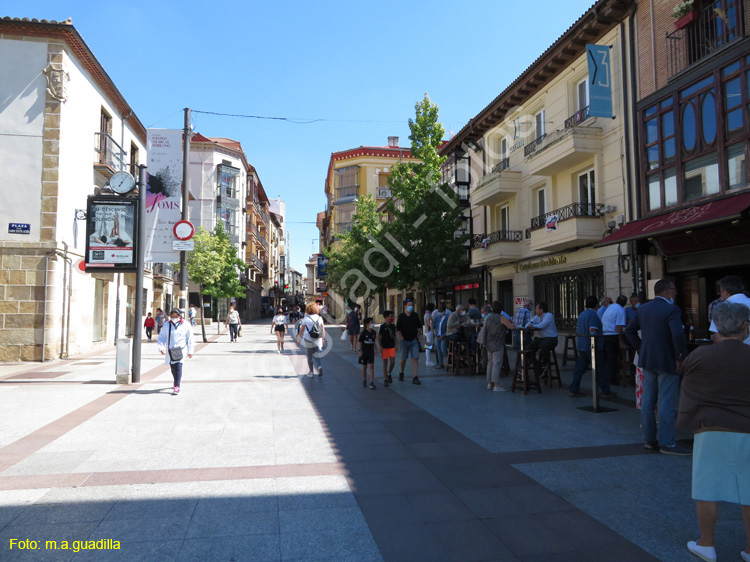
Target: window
<point>346,177</point>
<point>539,123</point>
<point>701,177</point>
<point>582,90</point>
<point>501,218</point>
<point>736,166</point>
<point>383,179</point>
<point>228,215</point>
<point>541,202</point>
<point>587,192</point>
<point>134,160</point>
<point>504,147</point>
<point>228,181</point>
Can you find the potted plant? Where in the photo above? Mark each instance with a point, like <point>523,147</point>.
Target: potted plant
<point>685,13</point>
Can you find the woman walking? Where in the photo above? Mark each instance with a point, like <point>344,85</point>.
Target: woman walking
<point>312,334</point>
<point>715,404</point>
<point>428,334</point>
<point>278,325</point>
<point>175,342</point>
<point>233,320</point>
<point>352,326</point>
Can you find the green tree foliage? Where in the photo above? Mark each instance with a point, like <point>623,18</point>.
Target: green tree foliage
<point>355,269</point>
<point>214,266</point>
<point>426,214</point>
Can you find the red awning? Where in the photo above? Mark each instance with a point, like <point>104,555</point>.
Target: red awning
<point>680,221</point>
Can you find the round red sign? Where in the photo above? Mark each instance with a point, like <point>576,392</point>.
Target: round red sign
<point>183,230</point>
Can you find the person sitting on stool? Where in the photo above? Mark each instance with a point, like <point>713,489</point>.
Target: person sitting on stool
<point>546,340</point>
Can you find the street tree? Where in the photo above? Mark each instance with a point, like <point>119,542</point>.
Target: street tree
<point>355,270</point>
<point>214,266</point>
<point>426,216</point>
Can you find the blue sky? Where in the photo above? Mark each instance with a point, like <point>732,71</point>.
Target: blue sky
<point>361,65</point>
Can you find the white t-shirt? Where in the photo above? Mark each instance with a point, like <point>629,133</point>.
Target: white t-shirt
<point>307,324</point>
<point>279,319</point>
<point>738,298</point>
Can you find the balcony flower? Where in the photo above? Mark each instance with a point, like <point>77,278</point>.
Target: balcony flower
<point>683,8</point>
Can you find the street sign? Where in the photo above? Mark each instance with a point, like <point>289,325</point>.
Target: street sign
<point>183,245</point>
<point>19,228</point>
<point>183,230</point>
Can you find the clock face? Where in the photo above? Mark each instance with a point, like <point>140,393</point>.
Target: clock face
<point>122,182</point>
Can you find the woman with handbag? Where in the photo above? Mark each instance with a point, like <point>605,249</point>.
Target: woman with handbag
<point>233,321</point>
<point>175,342</point>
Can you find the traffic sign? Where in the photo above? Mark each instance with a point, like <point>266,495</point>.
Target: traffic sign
<point>183,230</point>
<point>183,245</point>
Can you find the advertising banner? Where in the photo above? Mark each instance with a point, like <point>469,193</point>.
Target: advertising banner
<point>322,265</point>
<point>600,84</point>
<point>110,227</point>
<point>163,194</point>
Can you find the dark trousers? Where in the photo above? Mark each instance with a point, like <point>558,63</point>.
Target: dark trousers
<point>611,354</point>
<point>233,331</point>
<point>176,372</point>
<point>582,364</point>
<point>149,332</point>
<point>543,346</point>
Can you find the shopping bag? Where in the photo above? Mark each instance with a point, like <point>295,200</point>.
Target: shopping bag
<point>343,335</point>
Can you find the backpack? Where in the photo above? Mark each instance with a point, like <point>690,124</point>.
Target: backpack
<point>315,331</point>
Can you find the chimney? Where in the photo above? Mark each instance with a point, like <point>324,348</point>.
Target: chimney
<point>393,142</point>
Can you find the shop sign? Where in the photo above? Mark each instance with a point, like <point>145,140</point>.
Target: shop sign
<point>600,84</point>
<point>549,262</point>
<point>520,301</point>
<point>466,287</point>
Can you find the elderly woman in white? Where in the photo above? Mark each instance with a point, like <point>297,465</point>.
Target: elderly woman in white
<point>176,342</point>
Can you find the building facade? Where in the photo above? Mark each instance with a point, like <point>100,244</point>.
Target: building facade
<point>693,133</point>
<point>258,247</point>
<point>549,177</point>
<point>65,128</point>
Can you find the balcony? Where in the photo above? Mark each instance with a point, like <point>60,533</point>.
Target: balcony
<point>496,248</point>
<point>496,187</point>
<point>715,26</point>
<point>164,270</point>
<point>346,194</point>
<point>110,157</point>
<point>342,227</point>
<point>577,224</point>
<point>555,152</point>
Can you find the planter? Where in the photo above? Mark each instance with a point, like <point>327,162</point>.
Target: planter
<point>686,20</point>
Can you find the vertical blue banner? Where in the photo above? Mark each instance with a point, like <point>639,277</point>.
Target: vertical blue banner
<point>322,264</point>
<point>600,81</point>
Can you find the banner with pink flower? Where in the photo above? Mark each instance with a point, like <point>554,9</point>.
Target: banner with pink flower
<point>163,194</point>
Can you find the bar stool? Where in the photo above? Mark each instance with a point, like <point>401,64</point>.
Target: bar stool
<point>521,370</point>
<point>450,357</point>
<point>463,358</point>
<point>570,344</point>
<point>548,371</point>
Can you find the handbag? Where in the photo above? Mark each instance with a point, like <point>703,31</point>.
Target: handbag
<point>239,332</point>
<point>175,353</point>
<point>480,337</point>
<point>343,335</point>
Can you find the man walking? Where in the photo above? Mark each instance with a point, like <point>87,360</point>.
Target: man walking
<point>661,351</point>
<point>408,328</point>
<point>588,327</point>
<point>160,319</point>
<point>613,327</point>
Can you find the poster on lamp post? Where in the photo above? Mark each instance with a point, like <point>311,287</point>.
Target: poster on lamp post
<point>110,228</point>
<point>163,194</point>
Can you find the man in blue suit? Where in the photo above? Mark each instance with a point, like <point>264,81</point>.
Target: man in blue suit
<point>661,350</point>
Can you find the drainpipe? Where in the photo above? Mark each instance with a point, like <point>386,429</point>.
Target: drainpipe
<point>639,274</point>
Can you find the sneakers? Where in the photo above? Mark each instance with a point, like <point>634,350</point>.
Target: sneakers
<point>608,395</point>
<point>278,351</point>
<point>576,394</point>
<point>707,553</point>
<point>401,377</point>
<point>175,390</point>
<point>745,556</point>
<point>499,388</point>
<point>390,379</point>
<point>489,386</point>
<point>680,451</point>
<point>372,386</point>
<point>385,382</point>
<point>415,380</point>
<point>651,445</point>
<point>310,374</point>
<point>430,364</point>
<point>364,384</point>
<point>320,371</point>
<point>438,367</point>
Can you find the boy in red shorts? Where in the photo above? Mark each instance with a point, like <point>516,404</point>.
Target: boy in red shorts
<point>387,341</point>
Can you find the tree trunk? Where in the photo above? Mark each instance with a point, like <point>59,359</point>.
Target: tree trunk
<point>203,308</point>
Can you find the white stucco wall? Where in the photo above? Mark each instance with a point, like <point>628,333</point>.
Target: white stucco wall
<point>22,94</point>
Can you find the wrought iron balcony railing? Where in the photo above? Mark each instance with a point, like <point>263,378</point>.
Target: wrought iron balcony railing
<point>530,148</point>
<point>109,152</point>
<point>497,236</point>
<point>574,210</point>
<point>577,118</point>
<point>715,26</point>
<point>163,270</point>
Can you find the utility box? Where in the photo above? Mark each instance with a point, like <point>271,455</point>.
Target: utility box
<point>123,358</point>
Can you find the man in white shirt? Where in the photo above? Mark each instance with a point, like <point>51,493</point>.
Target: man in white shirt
<point>613,328</point>
<point>731,289</point>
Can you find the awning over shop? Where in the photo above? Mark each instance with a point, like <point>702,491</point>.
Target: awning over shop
<point>680,221</point>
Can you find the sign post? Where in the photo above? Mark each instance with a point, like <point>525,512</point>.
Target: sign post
<point>141,266</point>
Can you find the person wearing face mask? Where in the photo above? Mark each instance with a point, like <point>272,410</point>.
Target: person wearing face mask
<point>429,334</point>
<point>631,310</point>
<point>387,342</point>
<point>353,325</point>
<point>408,328</point>
<point>176,338</point>
<point>457,321</point>
<point>661,351</point>
<point>439,321</point>
<point>367,352</point>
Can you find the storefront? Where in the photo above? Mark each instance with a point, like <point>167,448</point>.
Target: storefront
<point>459,289</point>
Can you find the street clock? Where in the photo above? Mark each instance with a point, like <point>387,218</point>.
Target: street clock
<point>122,182</point>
